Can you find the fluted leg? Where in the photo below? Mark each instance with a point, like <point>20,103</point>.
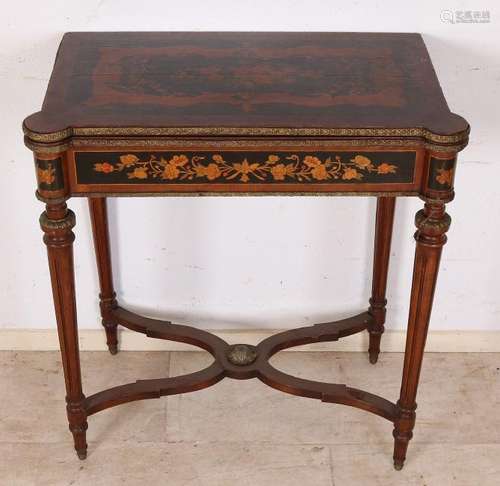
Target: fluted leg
<point>99,218</point>
<point>432,223</point>
<point>57,223</point>
<point>383,235</point>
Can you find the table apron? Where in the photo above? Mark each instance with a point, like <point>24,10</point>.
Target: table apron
<point>252,171</point>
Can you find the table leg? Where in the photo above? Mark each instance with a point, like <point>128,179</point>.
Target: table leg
<point>432,223</point>
<point>57,223</point>
<point>383,234</point>
<point>107,296</point>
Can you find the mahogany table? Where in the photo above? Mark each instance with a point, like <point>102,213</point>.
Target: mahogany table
<point>193,114</point>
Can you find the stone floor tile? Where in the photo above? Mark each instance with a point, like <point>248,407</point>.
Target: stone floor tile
<point>115,463</point>
<point>34,382</point>
<point>426,465</point>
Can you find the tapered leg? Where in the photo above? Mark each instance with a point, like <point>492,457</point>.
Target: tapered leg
<point>432,223</point>
<point>383,234</point>
<point>57,223</point>
<point>99,218</point>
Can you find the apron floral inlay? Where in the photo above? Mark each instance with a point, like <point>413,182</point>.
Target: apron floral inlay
<point>292,167</point>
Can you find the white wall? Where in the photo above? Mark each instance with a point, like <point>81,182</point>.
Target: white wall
<point>255,262</point>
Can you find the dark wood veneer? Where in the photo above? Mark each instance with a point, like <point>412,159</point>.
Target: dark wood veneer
<point>131,114</point>
<point>253,80</point>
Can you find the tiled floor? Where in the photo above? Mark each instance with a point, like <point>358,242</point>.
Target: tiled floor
<point>244,433</point>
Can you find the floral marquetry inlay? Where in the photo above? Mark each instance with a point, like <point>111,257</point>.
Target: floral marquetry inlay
<point>293,167</point>
<point>444,177</point>
<point>47,175</point>
<point>441,174</point>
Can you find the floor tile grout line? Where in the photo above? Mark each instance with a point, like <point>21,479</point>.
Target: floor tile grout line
<point>263,443</point>
<point>165,419</point>
<point>202,443</point>
<point>169,363</point>
<point>330,455</point>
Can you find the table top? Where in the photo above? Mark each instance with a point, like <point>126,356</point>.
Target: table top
<point>245,84</point>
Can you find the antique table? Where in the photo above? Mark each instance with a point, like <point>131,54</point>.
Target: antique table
<point>169,114</point>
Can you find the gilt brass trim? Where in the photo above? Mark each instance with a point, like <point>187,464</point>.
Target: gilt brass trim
<point>333,144</point>
<point>248,143</point>
<point>432,226</point>
<point>246,194</point>
<point>48,224</point>
<point>41,148</point>
<point>244,131</point>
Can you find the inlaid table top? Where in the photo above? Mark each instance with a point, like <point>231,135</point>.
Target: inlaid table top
<point>244,84</point>
<point>173,113</point>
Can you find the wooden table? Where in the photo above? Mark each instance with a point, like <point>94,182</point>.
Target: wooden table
<point>169,114</point>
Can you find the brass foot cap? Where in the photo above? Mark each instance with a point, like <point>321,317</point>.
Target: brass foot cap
<point>373,358</point>
<point>82,454</point>
<point>398,465</point>
<point>113,348</point>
